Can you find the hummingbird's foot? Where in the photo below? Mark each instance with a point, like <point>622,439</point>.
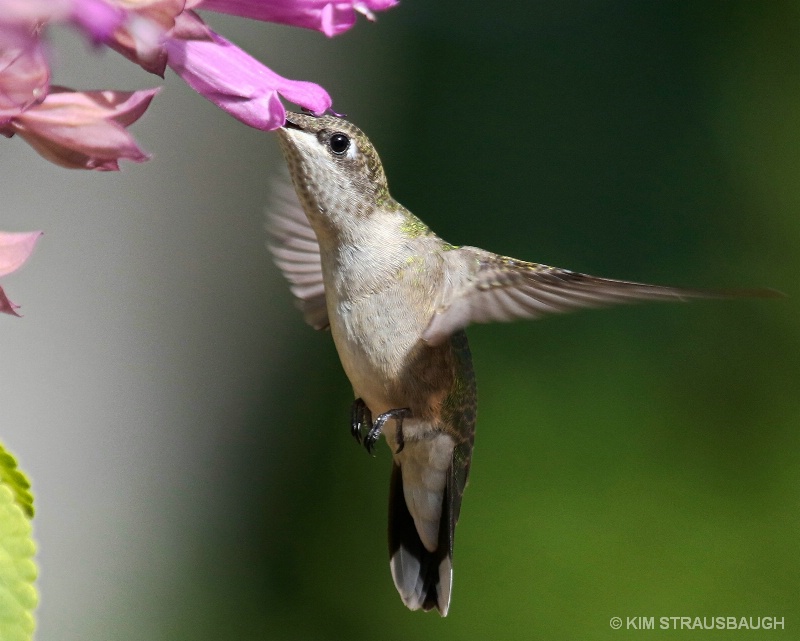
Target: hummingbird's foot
<point>360,417</point>
<point>377,427</point>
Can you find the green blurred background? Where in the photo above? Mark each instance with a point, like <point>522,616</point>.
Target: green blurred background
<point>188,435</point>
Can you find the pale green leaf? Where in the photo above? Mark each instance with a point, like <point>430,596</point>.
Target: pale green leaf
<point>16,481</point>
<point>18,596</point>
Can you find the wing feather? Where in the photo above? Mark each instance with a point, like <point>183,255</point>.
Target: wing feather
<point>494,288</point>
<point>295,251</point>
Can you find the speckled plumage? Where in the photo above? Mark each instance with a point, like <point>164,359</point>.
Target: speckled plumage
<point>397,298</point>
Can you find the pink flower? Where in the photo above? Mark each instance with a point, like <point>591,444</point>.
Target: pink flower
<point>211,65</point>
<point>83,130</point>
<point>87,129</point>
<point>72,129</point>
<point>239,84</point>
<point>332,17</point>
<point>14,251</point>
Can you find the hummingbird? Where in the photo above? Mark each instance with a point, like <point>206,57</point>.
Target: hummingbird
<point>397,299</point>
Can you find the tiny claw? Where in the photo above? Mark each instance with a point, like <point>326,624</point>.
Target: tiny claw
<point>398,437</point>
<point>359,416</point>
<point>355,421</point>
<point>370,441</point>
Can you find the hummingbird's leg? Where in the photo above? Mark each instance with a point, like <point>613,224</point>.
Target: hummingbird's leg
<point>372,436</point>
<point>360,417</point>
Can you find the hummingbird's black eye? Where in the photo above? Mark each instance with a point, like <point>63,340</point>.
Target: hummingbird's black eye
<point>339,143</point>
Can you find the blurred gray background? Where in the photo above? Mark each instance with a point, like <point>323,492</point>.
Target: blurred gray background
<point>187,435</point>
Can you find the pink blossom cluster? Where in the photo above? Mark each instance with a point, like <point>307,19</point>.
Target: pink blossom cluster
<point>88,129</point>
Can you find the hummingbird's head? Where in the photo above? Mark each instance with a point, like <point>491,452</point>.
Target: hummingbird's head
<point>334,167</point>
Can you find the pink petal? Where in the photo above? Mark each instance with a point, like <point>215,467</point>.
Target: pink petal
<point>332,17</point>
<point>24,73</point>
<point>97,18</point>
<point>189,26</point>
<point>142,42</point>
<point>34,11</point>
<point>239,84</point>
<point>6,306</point>
<point>15,248</point>
<point>141,38</point>
<point>85,130</point>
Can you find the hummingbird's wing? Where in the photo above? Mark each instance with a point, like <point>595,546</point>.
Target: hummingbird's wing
<point>499,288</point>
<point>295,251</point>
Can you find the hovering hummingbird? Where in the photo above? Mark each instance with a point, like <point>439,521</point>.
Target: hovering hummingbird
<point>397,298</point>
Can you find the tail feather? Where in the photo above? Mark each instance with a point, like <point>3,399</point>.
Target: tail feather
<point>422,578</point>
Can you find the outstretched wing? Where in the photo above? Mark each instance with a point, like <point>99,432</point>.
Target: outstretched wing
<point>498,288</point>
<point>295,251</point>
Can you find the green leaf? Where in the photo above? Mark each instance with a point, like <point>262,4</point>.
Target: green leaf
<point>16,481</point>
<point>18,596</point>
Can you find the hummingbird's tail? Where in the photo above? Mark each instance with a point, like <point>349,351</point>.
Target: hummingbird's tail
<point>423,578</point>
